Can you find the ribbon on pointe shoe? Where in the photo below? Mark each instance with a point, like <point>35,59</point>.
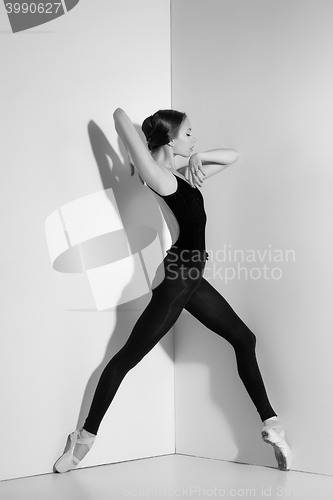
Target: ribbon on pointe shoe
<point>282,451</point>
<point>68,460</point>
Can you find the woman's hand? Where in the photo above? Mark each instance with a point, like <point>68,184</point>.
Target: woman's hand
<point>194,172</point>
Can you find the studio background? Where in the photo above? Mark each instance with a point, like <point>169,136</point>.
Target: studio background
<point>250,75</point>
<point>59,145</point>
<point>256,76</point>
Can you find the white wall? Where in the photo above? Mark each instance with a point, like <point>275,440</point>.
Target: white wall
<point>60,83</point>
<point>257,76</point>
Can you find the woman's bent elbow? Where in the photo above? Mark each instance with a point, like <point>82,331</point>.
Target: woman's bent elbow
<point>235,155</point>
<point>117,112</point>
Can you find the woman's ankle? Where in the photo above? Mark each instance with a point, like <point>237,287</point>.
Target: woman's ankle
<point>85,433</point>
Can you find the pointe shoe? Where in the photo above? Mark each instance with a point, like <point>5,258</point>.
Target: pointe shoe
<point>68,460</point>
<point>282,451</point>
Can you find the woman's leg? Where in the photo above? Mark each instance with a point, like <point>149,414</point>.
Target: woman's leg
<point>165,306</point>
<point>211,309</point>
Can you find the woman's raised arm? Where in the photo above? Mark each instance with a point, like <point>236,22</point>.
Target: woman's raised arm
<point>203,165</point>
<point>214,161</point>
<point>220,156</point>
<point>150,171</point>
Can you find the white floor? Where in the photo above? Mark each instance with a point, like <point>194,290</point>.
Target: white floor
<point>170,476</point>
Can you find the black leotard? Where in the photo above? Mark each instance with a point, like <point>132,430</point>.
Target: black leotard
<point>187,205</point>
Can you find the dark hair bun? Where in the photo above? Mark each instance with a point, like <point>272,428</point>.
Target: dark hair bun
<point>161,127</point>
<point>147,129</point>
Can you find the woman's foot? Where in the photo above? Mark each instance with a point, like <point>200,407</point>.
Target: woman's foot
<point>78,444</point>
<point>273,434</point>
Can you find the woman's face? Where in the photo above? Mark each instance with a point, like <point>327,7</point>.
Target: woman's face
<point>183,143</point>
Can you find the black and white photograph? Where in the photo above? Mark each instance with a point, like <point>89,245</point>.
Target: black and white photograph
<point>166,258</point>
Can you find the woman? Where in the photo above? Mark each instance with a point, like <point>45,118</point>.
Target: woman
<point>168,134</point>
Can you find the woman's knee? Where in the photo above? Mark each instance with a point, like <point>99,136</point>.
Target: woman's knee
<point>122,363</point>
<point>244,338</point>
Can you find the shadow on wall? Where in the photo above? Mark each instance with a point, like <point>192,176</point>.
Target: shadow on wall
<point>137,208</point>
<point>102,235</point>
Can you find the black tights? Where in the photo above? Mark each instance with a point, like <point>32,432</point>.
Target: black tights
<point>183,287</point>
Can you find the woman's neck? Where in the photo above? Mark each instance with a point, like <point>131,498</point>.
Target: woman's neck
<point>164,155</point>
